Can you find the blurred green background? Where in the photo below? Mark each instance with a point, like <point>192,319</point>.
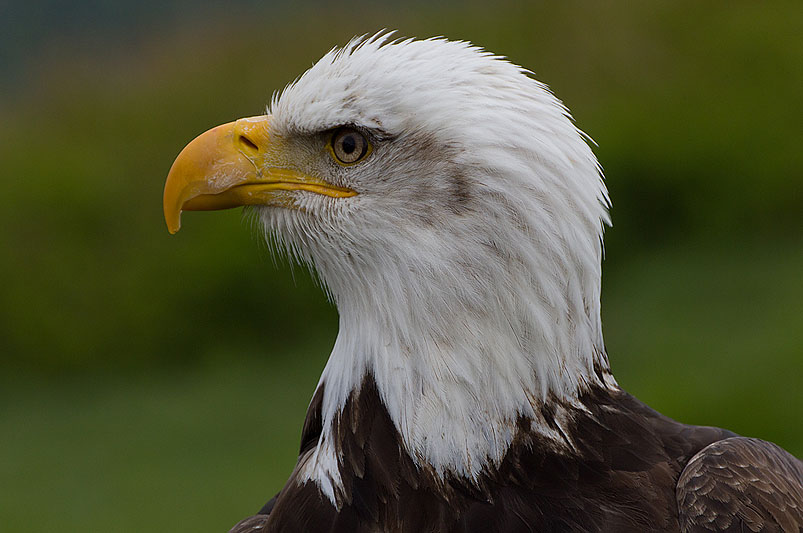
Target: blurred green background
<point>151,382</point>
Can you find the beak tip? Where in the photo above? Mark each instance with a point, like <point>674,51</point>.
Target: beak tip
<point>173,223</point>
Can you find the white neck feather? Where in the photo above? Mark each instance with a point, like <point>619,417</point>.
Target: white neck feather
<point>461,345</point>
<point>467,271</point>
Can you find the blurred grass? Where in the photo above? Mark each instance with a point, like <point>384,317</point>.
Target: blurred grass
<point>711,335</point>
<point>156,382</point>
<point>191,450</point>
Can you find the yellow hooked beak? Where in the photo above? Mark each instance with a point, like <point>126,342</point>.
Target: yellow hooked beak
<point>232,165</point>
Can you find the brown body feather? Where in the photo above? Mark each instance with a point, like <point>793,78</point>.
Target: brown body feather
<point>621,476</point>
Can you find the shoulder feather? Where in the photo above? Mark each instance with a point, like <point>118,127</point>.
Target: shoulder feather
<point>741,484</point>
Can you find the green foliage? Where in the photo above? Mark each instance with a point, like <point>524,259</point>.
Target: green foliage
<point>693,143</point>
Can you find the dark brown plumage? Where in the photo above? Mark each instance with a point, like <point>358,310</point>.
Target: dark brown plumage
<point>741,484</point>
<point>634,470</point>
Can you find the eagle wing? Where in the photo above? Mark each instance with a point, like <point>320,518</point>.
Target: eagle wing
<point>741,484</point>
<point>251,524</point>
<point>257,522</point>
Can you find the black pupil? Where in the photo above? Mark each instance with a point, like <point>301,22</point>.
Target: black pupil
<point>349,144</point>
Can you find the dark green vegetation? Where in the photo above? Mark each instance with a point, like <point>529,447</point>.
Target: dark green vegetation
<point>158,383</point>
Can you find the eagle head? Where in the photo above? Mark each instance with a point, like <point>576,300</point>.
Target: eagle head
<point>455,215</point>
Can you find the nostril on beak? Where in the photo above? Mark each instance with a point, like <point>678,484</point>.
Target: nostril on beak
<point>247,145</point>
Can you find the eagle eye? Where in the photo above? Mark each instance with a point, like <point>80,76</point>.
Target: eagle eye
<point>349,146</point>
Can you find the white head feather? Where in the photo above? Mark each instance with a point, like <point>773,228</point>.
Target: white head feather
<point>467,270</point>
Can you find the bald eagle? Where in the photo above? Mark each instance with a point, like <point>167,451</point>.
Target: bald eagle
<point>455,215</point>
